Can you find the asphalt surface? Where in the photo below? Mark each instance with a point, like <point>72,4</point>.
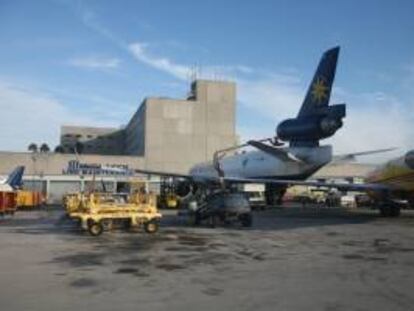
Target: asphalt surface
<point>291,259</point>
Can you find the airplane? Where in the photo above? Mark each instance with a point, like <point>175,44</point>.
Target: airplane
<point>14,181</point>
<point>272,161</point>
<point>279,167</point>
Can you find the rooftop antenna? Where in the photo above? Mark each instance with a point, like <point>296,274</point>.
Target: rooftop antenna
<point>193,73</point>
<point>200,71</point>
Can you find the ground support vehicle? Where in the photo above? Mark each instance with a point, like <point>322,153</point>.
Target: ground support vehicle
<point>221,208</point>
<point>97,212</point>
<point>29,199</point>
<point>7,203</point>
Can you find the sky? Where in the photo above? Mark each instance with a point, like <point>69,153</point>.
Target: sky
<point>93,62</point>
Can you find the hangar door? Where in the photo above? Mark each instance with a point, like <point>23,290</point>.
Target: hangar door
<point>59,188</point>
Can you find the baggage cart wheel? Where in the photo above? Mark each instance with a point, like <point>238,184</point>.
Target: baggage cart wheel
<point>95,228</point>
<point>107,224</point>
<point>151,226</point>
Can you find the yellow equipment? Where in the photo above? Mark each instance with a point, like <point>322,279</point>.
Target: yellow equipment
<point>27,199</point>
<point>99,211</point>
<point>171,200</point>
<point>168,197</point>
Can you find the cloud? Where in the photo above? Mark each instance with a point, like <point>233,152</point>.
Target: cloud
<point>274,97</point>
<point>95,62</point>
<point>32,116</point>
<point>374,120</point>
<point>139,52</point>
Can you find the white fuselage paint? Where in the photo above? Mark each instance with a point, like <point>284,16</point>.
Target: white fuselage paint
<point>258,164</point>
<point>6,187</point>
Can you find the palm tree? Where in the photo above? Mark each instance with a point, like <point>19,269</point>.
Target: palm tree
<point>44,148</point>
<point>32,147</point>
<point>59,149</point>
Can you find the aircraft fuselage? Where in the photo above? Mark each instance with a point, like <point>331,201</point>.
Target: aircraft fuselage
<point>259,164</point>
<point>397,173</point>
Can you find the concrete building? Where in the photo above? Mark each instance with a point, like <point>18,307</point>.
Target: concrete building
<point>170,134</point>
<point>92,140</point>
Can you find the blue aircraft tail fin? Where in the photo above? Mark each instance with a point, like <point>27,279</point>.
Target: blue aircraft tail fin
<point>316,119</point>
<point>319,91</point>
<point>15,179</point>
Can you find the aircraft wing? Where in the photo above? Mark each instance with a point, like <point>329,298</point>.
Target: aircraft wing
<point>163,174</point>
<point>339,186</point>
<point>282,182</point>
<point>351,156</point>
<point>273,151</point>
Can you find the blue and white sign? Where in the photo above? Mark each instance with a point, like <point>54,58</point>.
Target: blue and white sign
<point>77,168</point>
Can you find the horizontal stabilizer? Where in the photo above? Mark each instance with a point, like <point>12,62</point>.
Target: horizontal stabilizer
<point>276,152</point>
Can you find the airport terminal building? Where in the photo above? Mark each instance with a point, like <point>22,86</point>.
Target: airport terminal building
<point>163,134</point>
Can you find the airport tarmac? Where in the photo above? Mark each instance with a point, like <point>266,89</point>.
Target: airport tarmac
<point>291,259</point>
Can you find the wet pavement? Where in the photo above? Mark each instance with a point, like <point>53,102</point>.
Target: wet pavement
<point>291,259</point>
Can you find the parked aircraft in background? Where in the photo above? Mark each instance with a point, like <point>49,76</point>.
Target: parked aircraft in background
<point>14,181</point>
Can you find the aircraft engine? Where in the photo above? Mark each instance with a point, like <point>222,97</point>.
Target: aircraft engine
<point>322,124</point>
<point>183,188</point>
<point>330,125</point>
<point>409,159</point>
<point>309,129</point>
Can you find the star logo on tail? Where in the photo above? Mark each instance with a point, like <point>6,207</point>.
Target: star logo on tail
<point>319,90</point>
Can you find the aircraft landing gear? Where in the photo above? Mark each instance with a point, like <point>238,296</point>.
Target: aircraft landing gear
<point>389,209</point>
<point>411,203</point>
<point>274,194</point>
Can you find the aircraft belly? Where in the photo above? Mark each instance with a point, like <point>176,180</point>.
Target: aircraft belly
<point>260,164</point>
